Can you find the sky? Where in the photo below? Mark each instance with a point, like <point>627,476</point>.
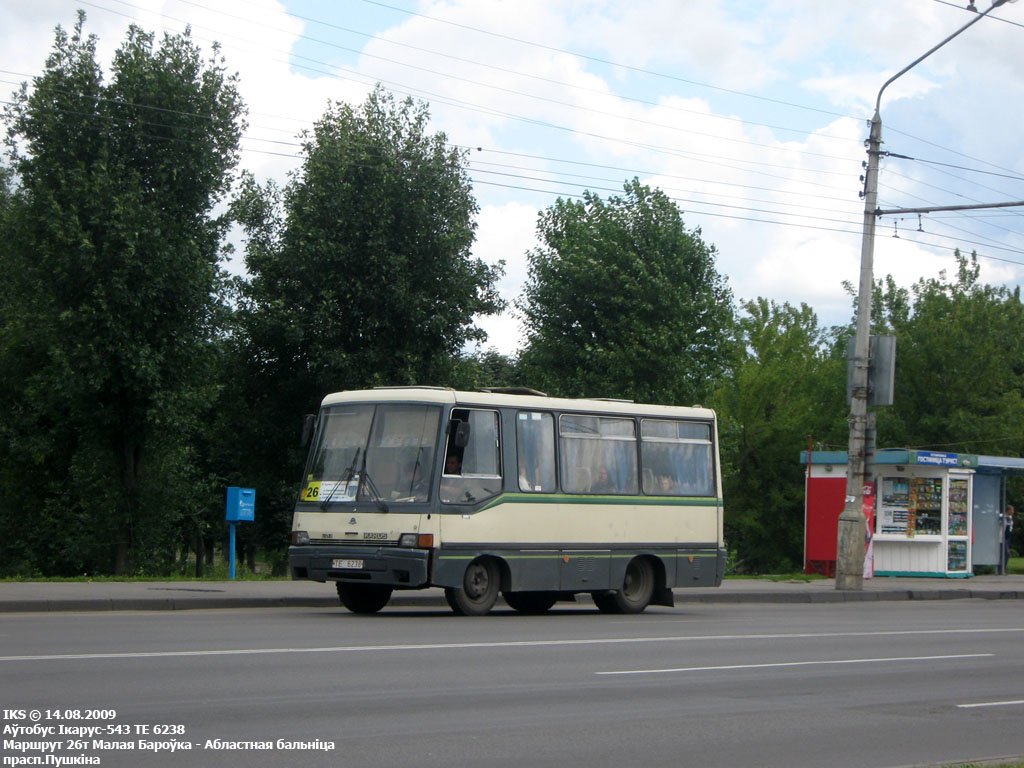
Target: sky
<point>751,115</point>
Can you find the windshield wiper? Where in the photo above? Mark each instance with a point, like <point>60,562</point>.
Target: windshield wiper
<point>365,479</point>
<point>417,468</point>
<point>345,480</point>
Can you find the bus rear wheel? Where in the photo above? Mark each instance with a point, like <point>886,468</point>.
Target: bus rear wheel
<point>530,602</point>
<point>479,590</point>
<point>636,591</point>
<point>363,598</point>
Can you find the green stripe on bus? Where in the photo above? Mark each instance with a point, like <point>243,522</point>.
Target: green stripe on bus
<point>648,501</point>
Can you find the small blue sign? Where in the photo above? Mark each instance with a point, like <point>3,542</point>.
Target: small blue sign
<point>937,459</point>
<point>241,506</point>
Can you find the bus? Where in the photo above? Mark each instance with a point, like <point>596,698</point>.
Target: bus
<point>508,492</point>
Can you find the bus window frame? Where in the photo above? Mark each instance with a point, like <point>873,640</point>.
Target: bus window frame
<point>455,485</point>
<point>552,418</point>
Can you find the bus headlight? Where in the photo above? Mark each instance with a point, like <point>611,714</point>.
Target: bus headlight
<point>300,538</point>
<point>419,540</point>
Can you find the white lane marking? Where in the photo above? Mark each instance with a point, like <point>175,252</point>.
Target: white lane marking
<point>1016,702</point>
<point>724,667</point>
<point>506,644</point>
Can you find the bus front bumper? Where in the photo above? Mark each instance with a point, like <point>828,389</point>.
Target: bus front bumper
<point>387,566</point>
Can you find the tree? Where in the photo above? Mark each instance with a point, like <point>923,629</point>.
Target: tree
<point>622,301</point>
<point>113,306</point>
<point>787,387</point>
<point>361,273</point>
<point>959,366</point>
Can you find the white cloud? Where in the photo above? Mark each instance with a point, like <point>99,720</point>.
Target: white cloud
<point>505,233</point>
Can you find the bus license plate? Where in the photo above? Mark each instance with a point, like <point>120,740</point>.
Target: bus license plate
<point>350,564</point>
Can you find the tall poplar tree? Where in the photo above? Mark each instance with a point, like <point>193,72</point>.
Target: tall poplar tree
<point>111,261</point>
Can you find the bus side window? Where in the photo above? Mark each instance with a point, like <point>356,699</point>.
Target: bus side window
<point>535,441</point>
<point>677,458</point>
<point>478,474</point>
<point>598,454</point>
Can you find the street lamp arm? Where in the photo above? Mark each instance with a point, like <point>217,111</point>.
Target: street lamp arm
<point>939,208</point>
<point>978,17</point>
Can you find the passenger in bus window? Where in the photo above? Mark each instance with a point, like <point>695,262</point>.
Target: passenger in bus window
<point>452,464</point>
<point>667,486</point>
<point>603,483</point>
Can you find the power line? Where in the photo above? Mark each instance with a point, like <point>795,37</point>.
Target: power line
<point>732,164</point>
<point>500,89</point>
<point>606,62</point>
<point>516,73</point>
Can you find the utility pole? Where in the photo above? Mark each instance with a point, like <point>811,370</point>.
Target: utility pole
<point>851,534</point>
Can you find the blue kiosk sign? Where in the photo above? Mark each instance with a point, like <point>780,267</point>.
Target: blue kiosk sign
<point>936,459</point>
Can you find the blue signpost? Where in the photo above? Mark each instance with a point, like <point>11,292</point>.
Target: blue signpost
<point>241,508</point>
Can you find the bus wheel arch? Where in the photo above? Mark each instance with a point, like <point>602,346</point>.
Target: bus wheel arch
<point>481,584</point>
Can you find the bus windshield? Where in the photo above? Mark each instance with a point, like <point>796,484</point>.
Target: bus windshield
<point>377,452</point>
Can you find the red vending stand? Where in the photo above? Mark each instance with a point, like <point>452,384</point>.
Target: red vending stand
<point>824,499</point>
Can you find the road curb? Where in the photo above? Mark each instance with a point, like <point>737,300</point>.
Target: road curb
<point>434,598</point>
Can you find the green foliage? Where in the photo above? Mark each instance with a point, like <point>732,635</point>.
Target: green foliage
<point>623,301</point>
<point>787,386</point>
<point>361,275</point>
<point>109,312</point>
<point>959,367</point>
<point>489,368</point>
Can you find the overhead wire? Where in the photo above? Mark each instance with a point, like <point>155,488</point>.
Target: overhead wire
<point>607,62</point>
<point>198,5</point>
<point>441,98</point>
<point>493,87</point>
<point>525,75</point>
<point>715,160</point>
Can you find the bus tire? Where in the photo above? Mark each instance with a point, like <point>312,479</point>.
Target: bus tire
<point>635,593</point>
<point>363,598</point>
<point>637,586</point>
<point>479,591</point>
<point>530,602</point>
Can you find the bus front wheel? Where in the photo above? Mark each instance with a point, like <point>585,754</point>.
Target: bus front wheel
<point>363,598</point>
<point>479,590</point>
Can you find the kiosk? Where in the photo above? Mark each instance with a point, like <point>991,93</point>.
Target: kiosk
<point>922,512</point>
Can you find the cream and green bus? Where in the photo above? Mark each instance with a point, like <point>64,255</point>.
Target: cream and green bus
<point>510,492</point>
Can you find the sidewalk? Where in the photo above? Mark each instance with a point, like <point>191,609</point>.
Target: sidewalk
<point>184,595</point>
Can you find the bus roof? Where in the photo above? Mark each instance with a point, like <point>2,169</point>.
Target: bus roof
<point>504,397</point>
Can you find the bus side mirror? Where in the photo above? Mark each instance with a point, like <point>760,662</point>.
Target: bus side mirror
<point>307,429</point>
<point>459,431</point>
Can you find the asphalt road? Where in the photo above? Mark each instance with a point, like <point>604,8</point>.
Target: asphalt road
<point>863,684</point>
